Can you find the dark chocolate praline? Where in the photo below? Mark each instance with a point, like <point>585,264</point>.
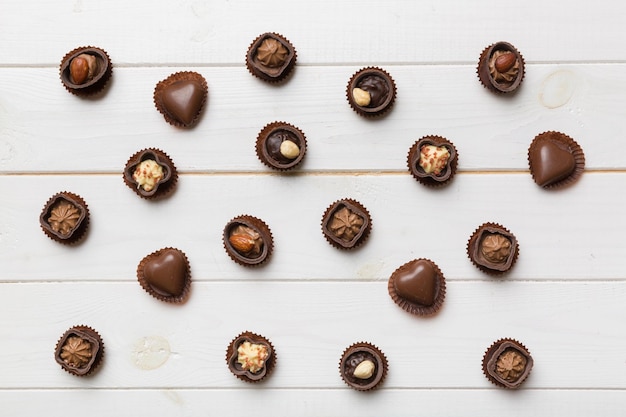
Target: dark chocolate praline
<point>346,224</point>
<point>501,68</point>
<point>248,240</point>
<point>281,146</point>
<point>79,351</point>
<point>492,248</point>
<point>363,366</point>
<point>271,57</point>
<point>507,363</point>
<point>94,75</point>
<point>371,92</point>
<point>65,218</point>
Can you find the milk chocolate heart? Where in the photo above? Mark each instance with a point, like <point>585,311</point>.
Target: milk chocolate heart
<point>181,97</point>
<point>554,158</point>
<point>165,274</point>
<point>418,287</point>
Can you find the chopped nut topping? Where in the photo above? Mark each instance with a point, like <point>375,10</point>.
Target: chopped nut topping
<point>507,76</point>
<point>252,356</point>
<point>147,174</point>
<point>495,248</point>
<point>510,365</point>
<point>271,53</point>
<point>345,224</point>
<point>64,217</point>
<point>246,241</point>
<point>433,159</point>
<point>76,351</point>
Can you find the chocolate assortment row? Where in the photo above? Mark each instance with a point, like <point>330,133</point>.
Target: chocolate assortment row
<point>418,286</point>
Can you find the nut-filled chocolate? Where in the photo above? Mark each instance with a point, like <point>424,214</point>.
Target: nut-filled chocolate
<point>181,97</point>
<point>507,363</point>
<point>250,357</point>
<point>248,240</point>
<point>346,224</point>
<point>432,160</point>
<point>371,92</point>
<point>150,173</point>
<point>555,160</point>
<point>85,70</point>
<point>165,275</point>
<point>281,146</point>
<point>493,248</point>
<point>65,218</point>
<point>271,57</point>
<point>79,351</point>
<point>501,68</point>
<point>363,366</point>
<point>418,287</point>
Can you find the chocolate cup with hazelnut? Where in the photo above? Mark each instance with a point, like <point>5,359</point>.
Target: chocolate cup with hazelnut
<point>79,351</point>
<point>371,92</point>
<point>181,97</point>
<point>150,173</point>
<point>166,275</point>
<point>346,224</point>
<point>501,68</point>
<point>555,160</point>
<point>281,146</point>
<point>85,71</point>
<point>493,249</point>
<point>507,363</point>
<point>250,357</point>
<point>418,287</point>
<point>363,366</point>
<point>271,57</point>
<point>65,218</point>
<point>248,240</point>
<point>432,161</point>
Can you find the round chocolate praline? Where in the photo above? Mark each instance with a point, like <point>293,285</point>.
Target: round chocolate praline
<point>271,57</point>
<point>418,287</point>
<point>434,177</point>
<point>90,85</point>
<point>181,97</point>
<point>65,218</point>
<point>270,147</point>
<point>555,160</point>
<point>498,73</point>
<point>492,248</point>
<point>507,363</point>
<point>346,224</point>
<point>248,240</point>
<point>356,354</point>
<point>163,186</point>
<point>79,351</point>
<point>238,370</point>
<point>379,88</point>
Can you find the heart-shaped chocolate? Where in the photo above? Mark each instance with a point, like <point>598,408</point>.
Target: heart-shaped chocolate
<point>550,162</point>
<point>165,274</point>
<point>418,287</point>
<point>181,98</point>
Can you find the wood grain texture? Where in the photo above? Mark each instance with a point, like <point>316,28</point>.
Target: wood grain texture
<point>563,299</point>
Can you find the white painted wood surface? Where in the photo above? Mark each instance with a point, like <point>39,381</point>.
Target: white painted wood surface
<point>564,299</point>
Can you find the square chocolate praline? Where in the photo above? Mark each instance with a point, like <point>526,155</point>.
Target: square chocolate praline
<point>78,229</point>
<point>86,334</point>
<point>359,236</point>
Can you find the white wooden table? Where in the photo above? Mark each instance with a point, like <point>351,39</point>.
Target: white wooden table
<point>564,299</point>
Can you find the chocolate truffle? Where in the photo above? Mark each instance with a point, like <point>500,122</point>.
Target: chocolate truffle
<point>555,160</point>
<point>85,70</point>
<point>280,146</point>
<point>371,92</point>
<point>65,218</point>
<point>507,363</point>
<point>363,366</point>
<point>492,248</point>
<point>432,161</point>
<point>250,357</point>
<point>150,173</point>
<point>271,57</point>
<point>165,275</point>
<point>248,240</point>
<point>346,224</point>
<point>418,287</point>
<point>501,68</point>
<point>79,351</point>
<point>181,97</point>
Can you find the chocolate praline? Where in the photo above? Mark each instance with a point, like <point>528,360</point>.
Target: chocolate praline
<point>181,97</point>
<point>418,287</point>
<point>90,72</point>
<point>371,92</point>
<point>65,218</point>
<point>150,173</point>
<point>281,146</point>
<point>363,366</point>
<point>79,351</point>
<point>492,248</point>
<point>346,224</point>
<point>432,160</point>
<point>271,57</point>
<point>555,160</point>
<point>248,240</point>
<point>165,275</point>
<point>507,363</point>
<point>501,68</point>
<point>255,364</point>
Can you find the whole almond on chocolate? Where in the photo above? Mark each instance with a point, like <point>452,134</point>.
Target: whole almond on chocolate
<point>505,62</point>
<point>242,243</point>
